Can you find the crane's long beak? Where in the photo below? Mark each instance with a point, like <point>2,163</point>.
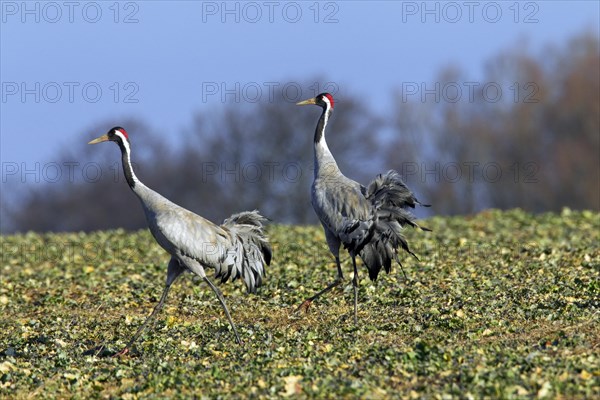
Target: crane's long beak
<point>307,101</point>
<point>102,138</point>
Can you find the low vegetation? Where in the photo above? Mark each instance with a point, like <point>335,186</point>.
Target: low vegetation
<point>501,304</point>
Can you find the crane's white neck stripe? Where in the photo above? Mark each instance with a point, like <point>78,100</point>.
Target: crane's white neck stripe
<point>125,142</point>
<point>322,142</point>
<point>123,138</point>
<point>326,115</point>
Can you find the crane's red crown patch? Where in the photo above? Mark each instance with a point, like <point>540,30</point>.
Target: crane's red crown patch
<point>123,131</point>
<point>330,98</point>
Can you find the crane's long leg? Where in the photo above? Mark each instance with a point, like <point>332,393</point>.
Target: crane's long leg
<point>173,271</point>
<point>355,284</point>
<point>339,279</point>
<point>143,327</point>
<point>401,267</point>
<point>222,300</point>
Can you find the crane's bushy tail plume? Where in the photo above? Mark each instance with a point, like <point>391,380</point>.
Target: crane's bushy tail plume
<point>389,196</point>
<point>389,190</point>
<point>254,246</point>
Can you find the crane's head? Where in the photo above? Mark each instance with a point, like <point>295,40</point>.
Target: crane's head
<point>116,134</point>
<point>324,100</point>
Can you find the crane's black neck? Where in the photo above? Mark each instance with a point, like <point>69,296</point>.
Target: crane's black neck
<point>322,124</point>
<point>127,167</point>
<point>324,162</point>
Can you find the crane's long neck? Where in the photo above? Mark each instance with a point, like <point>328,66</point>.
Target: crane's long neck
<point>134,183</point>
<point>152,202</point>
<point>324,162</point>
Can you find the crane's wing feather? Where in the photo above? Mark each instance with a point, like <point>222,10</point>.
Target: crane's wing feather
<point>389,190</point>
<point>191,235</point>
<point>389,197</point>
<point>237,249</point>
<point>247,227</point>
<point>344,210</point>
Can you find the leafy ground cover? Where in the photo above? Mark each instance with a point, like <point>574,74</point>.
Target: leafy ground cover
<point>500,305</point>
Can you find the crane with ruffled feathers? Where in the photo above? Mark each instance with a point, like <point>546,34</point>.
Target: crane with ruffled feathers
<point>238,248</point>
<point>367,221</point>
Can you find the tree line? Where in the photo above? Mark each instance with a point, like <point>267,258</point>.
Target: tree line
<point>526,135</point>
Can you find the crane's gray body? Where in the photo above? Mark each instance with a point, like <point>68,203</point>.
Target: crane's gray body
<point>339,202</point>
<point>367,221</point>
<point>236,249</point>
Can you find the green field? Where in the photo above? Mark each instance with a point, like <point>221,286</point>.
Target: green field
<point>501,304</point>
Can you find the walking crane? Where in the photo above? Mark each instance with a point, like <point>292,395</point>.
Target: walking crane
<point>367,221</point>
<point>236,249</point>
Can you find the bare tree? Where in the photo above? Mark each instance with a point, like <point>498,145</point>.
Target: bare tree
<point>262,157</point>
<point>94,196</point>
<point>236,157</point>
<point>535,147</point>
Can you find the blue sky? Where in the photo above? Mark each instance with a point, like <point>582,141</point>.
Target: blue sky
<point>65,68</point>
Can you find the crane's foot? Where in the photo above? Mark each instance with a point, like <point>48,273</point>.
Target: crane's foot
<point>237,339</point>
<point>99,351</point>
<point>122,352</point>
<point>304,306</point>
